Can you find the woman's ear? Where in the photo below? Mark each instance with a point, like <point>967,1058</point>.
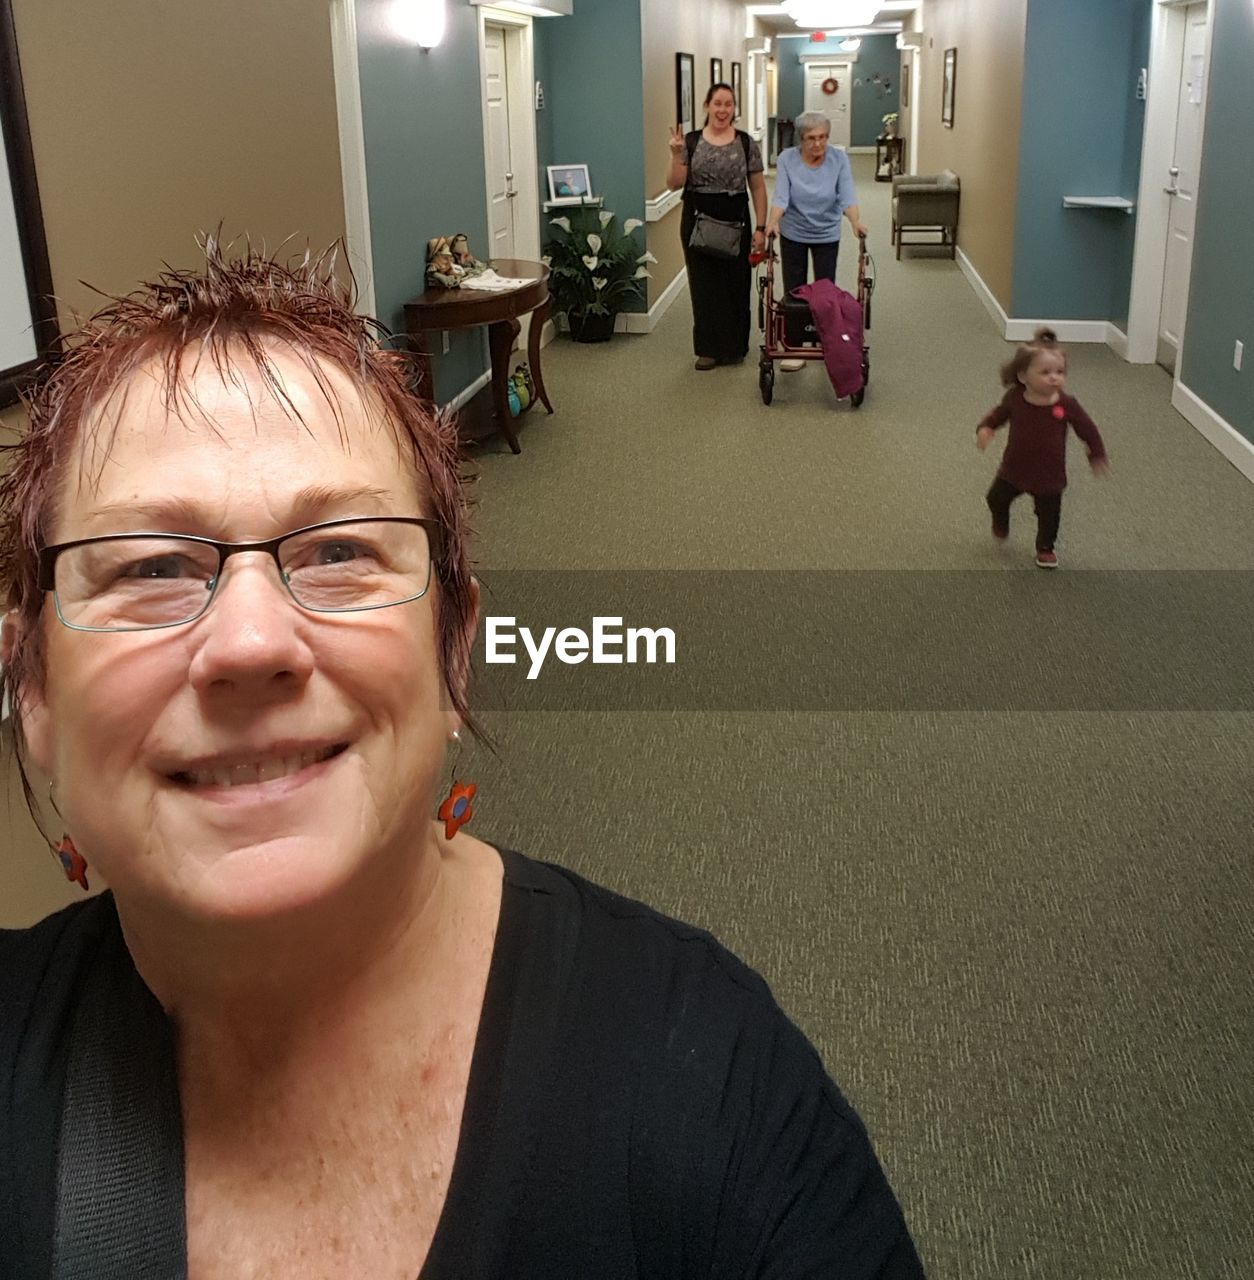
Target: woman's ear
<point>29,701</point>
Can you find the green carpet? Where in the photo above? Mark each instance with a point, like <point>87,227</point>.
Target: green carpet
<point>1021,938</point>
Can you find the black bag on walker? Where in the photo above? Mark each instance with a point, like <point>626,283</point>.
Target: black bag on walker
<point>799,327</point>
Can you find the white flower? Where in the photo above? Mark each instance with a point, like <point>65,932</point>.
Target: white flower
<point>564,223</point>
<point>646,257</point>
<point>641,272</point>
<point>547,260</point>
<point>594,242</point>
<point>598,283</point>
<point>591,262</point>
<point>606,218</point>
<point>631,224</point>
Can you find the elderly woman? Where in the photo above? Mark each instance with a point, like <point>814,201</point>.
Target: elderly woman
<point>719,168</point>
<point>813,187</point>
<point>310,1031</point>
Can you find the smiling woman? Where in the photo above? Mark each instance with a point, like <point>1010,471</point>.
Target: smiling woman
<point>311,1028</point>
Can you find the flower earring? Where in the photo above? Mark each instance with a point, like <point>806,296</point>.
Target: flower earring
<point>455,812</point>
<point>72,862</point>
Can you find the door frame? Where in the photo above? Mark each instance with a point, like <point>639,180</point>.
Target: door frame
<point>343,16</point>
<point>1149,258</point>
<point>520,68</point>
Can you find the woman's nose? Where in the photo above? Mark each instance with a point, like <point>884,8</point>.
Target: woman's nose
<point>250,637</point>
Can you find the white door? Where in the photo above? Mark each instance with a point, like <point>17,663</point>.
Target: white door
<point>498,162</point>
<point>835,106</point>
<point>1181,184</point>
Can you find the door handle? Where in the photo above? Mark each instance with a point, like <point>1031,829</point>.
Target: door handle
<point>510,193</point>
<point>1175,173</point>
<point>1172,191</point>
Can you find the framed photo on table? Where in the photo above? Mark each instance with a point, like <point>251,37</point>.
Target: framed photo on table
<point>735,84</point>
<point>716,70</point>
<point>569,184</point>
<point>685,98</point>
<point>947,88</point>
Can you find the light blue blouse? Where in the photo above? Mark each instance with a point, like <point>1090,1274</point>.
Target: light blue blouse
<point>813,199</point>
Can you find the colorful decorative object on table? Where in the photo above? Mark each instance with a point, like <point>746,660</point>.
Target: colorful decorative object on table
<point>449,262</point>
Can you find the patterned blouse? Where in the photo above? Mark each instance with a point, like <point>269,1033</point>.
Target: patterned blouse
<point>722,168</point>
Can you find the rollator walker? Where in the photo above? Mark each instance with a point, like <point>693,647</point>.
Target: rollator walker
<point>788,332</point>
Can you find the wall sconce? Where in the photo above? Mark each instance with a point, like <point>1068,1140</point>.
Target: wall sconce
<point>421,22</point>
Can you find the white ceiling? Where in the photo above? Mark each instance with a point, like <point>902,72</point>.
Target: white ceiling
<point>889,19</point>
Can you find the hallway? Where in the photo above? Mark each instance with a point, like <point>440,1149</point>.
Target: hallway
<point>1018,930</point>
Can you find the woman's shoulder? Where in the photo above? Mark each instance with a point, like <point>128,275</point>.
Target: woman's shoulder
<point>648,942</point>
<point>29,955</point>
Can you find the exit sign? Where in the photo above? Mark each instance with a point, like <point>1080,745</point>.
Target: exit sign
<point>817,37</point>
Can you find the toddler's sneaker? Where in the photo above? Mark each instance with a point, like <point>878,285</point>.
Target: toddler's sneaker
<point>792,366</point>
<point>1000,531</point>
<point>1046,560</point>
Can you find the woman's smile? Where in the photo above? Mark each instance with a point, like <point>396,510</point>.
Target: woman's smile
<point>265,768</point>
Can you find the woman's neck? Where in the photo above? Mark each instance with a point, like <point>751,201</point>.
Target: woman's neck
<point>714,133</point>
<point>1052,398</point>
<point>272,983</point>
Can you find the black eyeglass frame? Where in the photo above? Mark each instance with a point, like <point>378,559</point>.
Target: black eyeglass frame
<point>47,566</point>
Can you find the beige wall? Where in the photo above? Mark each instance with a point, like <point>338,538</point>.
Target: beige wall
<point>709,29</point>
<point>153,121</point>
<point>983,146</point>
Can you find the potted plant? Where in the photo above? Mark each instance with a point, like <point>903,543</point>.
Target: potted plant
<point>890,125</point>
<point>595,268</point>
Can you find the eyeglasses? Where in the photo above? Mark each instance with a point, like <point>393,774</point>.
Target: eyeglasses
<point>142,581</point>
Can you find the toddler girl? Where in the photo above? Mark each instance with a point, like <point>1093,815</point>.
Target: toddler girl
<point>1035,461</point>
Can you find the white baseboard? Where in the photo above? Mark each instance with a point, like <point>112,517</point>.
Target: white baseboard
<point>1225,437</point>
<point>860,151</point>
<point>1016,329</point>
<point>647,321</point>
<point>466,394</point>
<point>983,292</point>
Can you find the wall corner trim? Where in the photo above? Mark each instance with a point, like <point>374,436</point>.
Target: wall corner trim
<point>659,206</point>
<point>983,292</point>
<point>1218,431</point>
<point>466,394</point>
<point>647,321</point>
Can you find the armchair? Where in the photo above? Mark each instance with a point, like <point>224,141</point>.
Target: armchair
<point>927,204</point>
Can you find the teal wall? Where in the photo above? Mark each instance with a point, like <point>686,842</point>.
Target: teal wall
<point>1080,135</point>
<point>871,102</point>
<point>594,102</point>
<point>1221,287</point>
<point>790,76</point>
<point>422,119</point>
<point>867,106</point>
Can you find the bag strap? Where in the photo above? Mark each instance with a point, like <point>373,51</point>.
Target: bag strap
<point>691,140</point>
<point>120,1208</point>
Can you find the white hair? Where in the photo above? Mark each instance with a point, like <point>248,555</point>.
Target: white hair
<point>810,120</point>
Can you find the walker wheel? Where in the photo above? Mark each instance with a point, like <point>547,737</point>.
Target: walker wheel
<point>766,379</point>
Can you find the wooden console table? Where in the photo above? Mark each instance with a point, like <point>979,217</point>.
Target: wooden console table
<point>498,309</point>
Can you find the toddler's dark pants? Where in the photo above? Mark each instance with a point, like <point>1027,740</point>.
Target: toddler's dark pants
<point>1048,511</point>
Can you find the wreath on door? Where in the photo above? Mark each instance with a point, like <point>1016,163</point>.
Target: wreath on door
<point>830,85</point>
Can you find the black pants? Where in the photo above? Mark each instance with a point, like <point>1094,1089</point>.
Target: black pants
<point>719,287</point>
<point>793,257</point>
<point>1048,511</point>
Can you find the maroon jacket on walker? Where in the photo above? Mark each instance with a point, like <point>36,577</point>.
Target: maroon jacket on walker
<point>838,318</point>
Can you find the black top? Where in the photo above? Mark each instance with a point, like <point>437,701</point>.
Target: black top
<point>638,1106</point>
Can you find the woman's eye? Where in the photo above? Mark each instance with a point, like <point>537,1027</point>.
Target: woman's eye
<point>161,567</point>
<point>338,552</point>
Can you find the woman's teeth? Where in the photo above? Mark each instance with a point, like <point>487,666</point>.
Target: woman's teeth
<point>238,775</point>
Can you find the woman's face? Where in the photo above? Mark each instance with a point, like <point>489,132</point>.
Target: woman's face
<point>814,143</point>
<point>151,737</point>
<point>722,109</point>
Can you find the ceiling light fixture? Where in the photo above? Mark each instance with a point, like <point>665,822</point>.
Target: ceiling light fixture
<point>832,13</point>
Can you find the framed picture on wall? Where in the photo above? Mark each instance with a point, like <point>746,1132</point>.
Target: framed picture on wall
<point>716,70</point>
<point>905,86</point>
<point>735,84</point>
<point>569,183</point>
<point>685,101</point>
<point>947,88</point>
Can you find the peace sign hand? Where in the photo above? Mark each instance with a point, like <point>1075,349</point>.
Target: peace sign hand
<point>676,141</point>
